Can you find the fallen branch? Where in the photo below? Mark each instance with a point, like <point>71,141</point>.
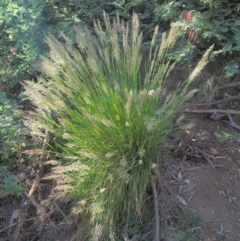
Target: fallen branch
<point>5,194</point>
<point>179,198</point>
<point>24,210</point>
<point>206,156</point>
<point>232,123</point>
<point>10,226</point>
<point>11,221</point>
<point>60,210</point>
<point>228,221</point>
<point>157,219</point>
<point>235,97</point>
<point>234,84</point>
<point>30,198</point>
<point>234,112</point>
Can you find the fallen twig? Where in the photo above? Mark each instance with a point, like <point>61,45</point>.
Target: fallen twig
<point>30,197</point>
<point>206,156</point>
<point>235,112</point>
<point>5,194</point>
<point>10,226</point>
<point>11,221</point>
<point>232,123</point>
<point>228,221</point>
<point>24,210</point>
<point>60,210</point>
<point>157,219</point>
<point>212,103</point>
<point>234,84</point>
<point>180,199</point>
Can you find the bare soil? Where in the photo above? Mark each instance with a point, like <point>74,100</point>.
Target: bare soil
<point>199,173</point>
<point>210,187</point>
<point>212,193</point>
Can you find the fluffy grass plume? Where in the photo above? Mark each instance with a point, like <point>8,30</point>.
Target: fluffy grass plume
<point>113,115</point>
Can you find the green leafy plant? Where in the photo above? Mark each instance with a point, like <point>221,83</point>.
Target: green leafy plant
<point>187,226</point>
<point>12,130</point>
<point>9,182</point>
<point>23,27</point>
<point>20,32</point>
<point>214,21</point>
<point>225,136</point>
<point>108,107</point>
<point>25,23</point>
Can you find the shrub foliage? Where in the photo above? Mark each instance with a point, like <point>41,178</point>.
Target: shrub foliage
<point>25,23</point>
<point>12,131</point>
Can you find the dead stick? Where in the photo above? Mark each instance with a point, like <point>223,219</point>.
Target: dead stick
<point>11,221</point>
<point>30,196</point>
<point>10,226</point>
<point>229,85</point>
<point>232,122</point>
<point>157,219</point>
<point>228,221</point>
<point>22,217</point>
<point>60,210</point>
<point>214,110</point>
<point>235,97</point>
<point>206,156</point>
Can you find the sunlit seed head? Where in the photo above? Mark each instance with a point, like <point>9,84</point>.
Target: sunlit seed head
<point>141,152</point>
<point>140,162</point>
<point>102,190</point>
<point>68,157</point>
<point>154,165</point>
<point>127,178</point>
<point>143,93</point>
<point>151,123</point>
<point>66,136</point>
<point>83,202</point>
<point>127,124</point>
<point>107,122</point>
<point>91,156</point>
<point>129,101</point>
<point>96,208</point>
<point>150,92</point>
<point>70,145</point>
<point>92,118</point>
<point>101,109</point>
<point>98,230</point>
<point>123,162</point>
<point>109,155</point>
<point>86,100</point>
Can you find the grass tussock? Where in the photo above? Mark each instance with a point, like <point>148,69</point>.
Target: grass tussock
<point>113,115</point>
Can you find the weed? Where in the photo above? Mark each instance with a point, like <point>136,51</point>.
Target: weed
<point>113,116</point>
<point>224,136</point>
<point>233,104</point>
<point>12,131</point>
<point>187,226</point>
<point>9,182</point>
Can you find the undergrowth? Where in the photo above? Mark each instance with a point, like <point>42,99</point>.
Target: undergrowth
<point>12,131</point>
<point>187,226</point>
<point>107,106</point>
<point>9,183</point>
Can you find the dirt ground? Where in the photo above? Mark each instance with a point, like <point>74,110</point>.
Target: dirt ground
<point>203,173</point>
<point>210,191</point>
<point>200,173</point>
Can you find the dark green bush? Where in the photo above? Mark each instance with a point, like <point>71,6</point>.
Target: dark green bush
<point>25,23</point>
<point>12,131</point>
<point>215,21</point>
<point>23,27</point>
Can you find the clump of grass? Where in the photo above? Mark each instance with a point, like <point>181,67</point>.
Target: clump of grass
<point>113,115</point>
